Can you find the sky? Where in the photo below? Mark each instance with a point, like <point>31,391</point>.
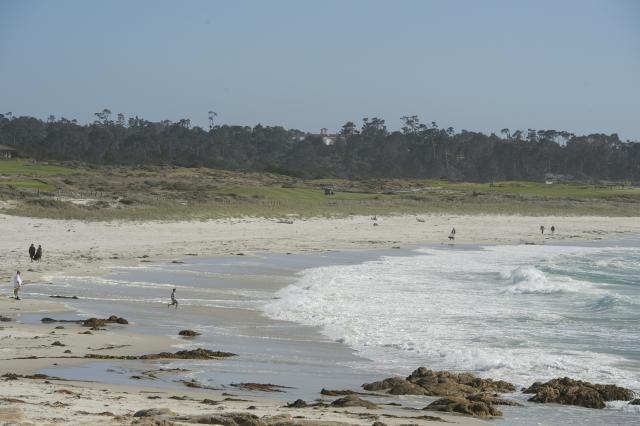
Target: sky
<point>476,65</point>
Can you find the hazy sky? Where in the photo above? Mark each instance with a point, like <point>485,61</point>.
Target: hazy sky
<point>475,65</point>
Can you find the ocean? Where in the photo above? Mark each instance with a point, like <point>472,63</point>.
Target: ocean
<point>521,313</point>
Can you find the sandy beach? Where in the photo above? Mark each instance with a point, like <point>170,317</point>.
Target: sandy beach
<point>94,248</point>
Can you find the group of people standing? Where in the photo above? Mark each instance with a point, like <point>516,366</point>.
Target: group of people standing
<point>542,228</point>
<point>16,281</point>
<point>35,254</point>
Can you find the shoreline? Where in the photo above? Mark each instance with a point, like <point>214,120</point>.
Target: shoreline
<point>127,247</point>
<point>91,248</point>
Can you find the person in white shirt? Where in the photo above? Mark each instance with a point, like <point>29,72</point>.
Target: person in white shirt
<point>17,283</point>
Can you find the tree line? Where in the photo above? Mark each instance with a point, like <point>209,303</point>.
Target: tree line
<point>370,150</point>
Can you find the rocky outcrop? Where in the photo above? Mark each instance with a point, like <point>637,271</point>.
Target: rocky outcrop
<point>298,403</point>
<point>576,392</point>
<point>186,354</point>
<point>154,412</point>
<point>383,384</point>
<point>333,392</point>
<point>353,401</point>
<point>91,322</point>
<point>492,398</point>
<point>188,333</point>
<point>463,405</point>
<point>407,388</point>
<point>227,419</point>
<point>635,402</point>
<point>101,322</point>
<point>439,383</point>
<point>263,387</point>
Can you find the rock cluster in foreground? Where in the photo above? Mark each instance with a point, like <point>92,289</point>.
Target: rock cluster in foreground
<point>576,392</point>
<point>465,393</point>
<point>439,383</point>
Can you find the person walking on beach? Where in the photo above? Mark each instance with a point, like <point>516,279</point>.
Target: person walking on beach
<point>553,229</point>
<point>17,284</point>
<point>542,229</point>
<point>32,251</point>
<point>38,256</point>
<point>174,301</point>
<point>452,235</point>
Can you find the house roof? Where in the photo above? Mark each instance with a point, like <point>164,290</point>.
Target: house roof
<point>6,148</point>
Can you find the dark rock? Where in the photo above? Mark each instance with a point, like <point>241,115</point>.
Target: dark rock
<point>635,402</point>
<point>186,354</point>
<point>576,392</point>
<point>188,333</point>
<point>383,384</point>
<point>462,405</point>
<point>445,383</point>
<point>329,392</point>
<point>439,383</point>
<point>298,403</point>
<point>407,388</point>
<point>494,399</point>
<point>64,297</point>
<point>59,327</point>
<point>379,424</point>
<point>68,351</point>
<point>227,419</point>
<point>153,412</point>
<point>263,387</point>
<point>58,343</point>
<point>353,401</point>
<point>4,319</point>
<point>190,354</point>
<point>95,323</point>
<point>47,319</point>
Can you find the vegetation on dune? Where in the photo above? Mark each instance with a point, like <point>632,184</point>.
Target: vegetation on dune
<point>90,192</point>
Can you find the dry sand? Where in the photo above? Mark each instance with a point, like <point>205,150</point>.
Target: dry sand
<point>74,247</point>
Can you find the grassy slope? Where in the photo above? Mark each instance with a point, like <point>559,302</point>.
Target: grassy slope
<point>172,193</point>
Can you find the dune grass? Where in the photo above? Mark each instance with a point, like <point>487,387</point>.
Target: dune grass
<point>90,192</point>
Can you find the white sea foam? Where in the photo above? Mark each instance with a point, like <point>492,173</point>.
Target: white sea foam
<point>496,311</point>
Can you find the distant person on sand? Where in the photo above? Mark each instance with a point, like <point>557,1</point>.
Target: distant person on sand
<point>542,229</point>
<point>32,251</point>
<point>174,301</point>
<point>38,256</point>
<point>553,229</point>
<point>17,283</point>
<point>452,235</point>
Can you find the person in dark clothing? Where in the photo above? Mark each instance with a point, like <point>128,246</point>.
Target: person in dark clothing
<point>542,229</point>
<point>553,229</point>
<point>174,301</point>
<point>32,251</point>
<point>38,256</point>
